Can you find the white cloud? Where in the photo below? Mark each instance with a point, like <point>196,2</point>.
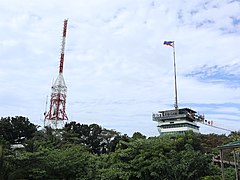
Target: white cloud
<point>116,68</point>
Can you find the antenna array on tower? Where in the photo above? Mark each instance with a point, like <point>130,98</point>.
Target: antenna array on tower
<point>57,110</point>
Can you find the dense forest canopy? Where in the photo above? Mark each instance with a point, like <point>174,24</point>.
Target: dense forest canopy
<point>80,151</point>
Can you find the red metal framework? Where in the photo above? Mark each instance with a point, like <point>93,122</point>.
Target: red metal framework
<point>57,112</point>
<point>63,46</point>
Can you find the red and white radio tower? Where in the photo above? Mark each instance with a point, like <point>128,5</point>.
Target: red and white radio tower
<point>57,112</point>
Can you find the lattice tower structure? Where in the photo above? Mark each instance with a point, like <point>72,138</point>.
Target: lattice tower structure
<point>56,115</point>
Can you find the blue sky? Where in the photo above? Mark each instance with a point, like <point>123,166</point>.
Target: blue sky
<point>116,68</point>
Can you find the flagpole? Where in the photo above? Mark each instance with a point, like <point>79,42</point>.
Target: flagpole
<point>175,77</point>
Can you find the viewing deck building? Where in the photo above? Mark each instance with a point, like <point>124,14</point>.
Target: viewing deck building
<point>177,121</point>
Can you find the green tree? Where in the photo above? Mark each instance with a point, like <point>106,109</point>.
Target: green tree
<point>68,162</point>
<point>190,164</point>
<point>16,129</point>
<point>158,158</point>
<point>138,135</point>
<point>98,140</point>
<point>234,136</point>
<point>1,161</point>
<point>210,142</point>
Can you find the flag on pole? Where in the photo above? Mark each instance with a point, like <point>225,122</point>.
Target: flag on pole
<point>168,43</point>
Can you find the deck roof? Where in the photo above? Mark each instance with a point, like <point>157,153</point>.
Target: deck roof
<point>232,145</point>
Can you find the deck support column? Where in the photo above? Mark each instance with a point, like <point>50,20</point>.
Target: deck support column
<point>222,165</point>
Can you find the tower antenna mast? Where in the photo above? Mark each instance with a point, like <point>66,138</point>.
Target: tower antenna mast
<point>57,111</point>
<point>63,46</point>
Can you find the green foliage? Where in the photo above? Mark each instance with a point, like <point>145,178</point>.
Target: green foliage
<point>235,136</point>
<point>211,141</point>
<point>1,161</point>
<point>158,158</point>
<point>70,162</point>
<point>138,135</point>
<point>80,151</point>
<point>229,173</point>
<point>211,178</point>
<point>16,129</point>
<point>96,138</point>
<point>190,164</point>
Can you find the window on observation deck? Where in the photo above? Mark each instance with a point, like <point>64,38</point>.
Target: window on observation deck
<point>179,126</point>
